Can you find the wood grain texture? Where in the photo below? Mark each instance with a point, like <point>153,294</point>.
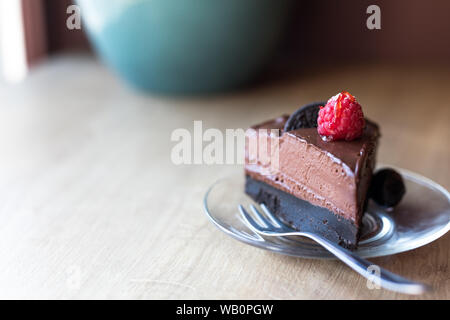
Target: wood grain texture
<point>92,206</point>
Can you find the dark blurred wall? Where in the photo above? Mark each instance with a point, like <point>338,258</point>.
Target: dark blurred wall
<point>59,36</point>
<point>320,30</point>
<point>414,30</point>
<point>46,31</point>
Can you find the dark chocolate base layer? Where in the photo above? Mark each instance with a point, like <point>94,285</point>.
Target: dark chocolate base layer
<point>302,215</point>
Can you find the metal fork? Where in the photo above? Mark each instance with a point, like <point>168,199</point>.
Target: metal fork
<point>268,225</point>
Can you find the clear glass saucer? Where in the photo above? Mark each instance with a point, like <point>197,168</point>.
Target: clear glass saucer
<point>422,217</point>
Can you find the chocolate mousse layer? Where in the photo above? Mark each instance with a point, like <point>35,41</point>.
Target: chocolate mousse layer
<point>333,175</point>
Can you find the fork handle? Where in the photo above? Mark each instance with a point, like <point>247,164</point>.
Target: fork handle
<point>384,278</point>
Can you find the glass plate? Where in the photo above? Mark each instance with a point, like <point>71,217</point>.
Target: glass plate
<point>422,217</point>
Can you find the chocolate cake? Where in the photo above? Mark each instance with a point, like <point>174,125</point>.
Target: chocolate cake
<point>320,183</point>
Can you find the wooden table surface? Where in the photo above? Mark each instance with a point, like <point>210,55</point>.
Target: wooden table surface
<point>93,207</point>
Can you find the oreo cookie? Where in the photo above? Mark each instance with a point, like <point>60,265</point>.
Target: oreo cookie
<point>304,117</point>
<point>387,188</point>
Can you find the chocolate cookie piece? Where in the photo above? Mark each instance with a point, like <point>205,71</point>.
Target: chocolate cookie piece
<point>387,187</point>
<point>304,117</point>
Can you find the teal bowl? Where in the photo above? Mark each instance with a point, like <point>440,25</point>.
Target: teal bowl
<point>185,47</point>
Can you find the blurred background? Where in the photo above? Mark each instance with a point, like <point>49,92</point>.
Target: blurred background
<point>284,53</point>
<point>285,37</point>
<point>87,112</point>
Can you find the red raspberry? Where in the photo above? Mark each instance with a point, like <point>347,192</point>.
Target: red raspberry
<point>341,118</point>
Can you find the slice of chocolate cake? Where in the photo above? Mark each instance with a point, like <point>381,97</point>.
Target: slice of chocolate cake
<point>320,183</point>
